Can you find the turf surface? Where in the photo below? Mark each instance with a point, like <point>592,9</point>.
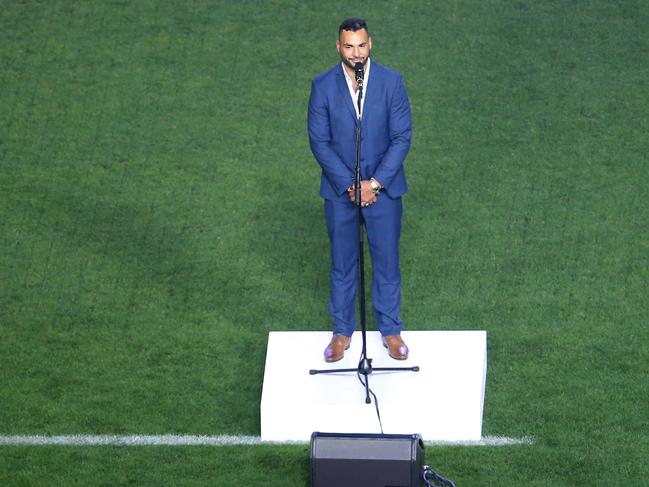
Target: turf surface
<point>159,216</point>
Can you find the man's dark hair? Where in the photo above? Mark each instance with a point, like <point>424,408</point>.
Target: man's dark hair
<point>353,24</point>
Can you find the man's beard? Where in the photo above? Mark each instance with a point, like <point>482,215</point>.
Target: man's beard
<point>351,64</point>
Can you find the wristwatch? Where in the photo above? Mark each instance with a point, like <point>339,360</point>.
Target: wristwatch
<point>376,187</point>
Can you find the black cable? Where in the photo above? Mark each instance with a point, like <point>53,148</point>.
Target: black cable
<point>376,401</point>
<point>430,476</point>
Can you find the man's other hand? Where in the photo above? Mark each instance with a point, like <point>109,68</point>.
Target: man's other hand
<point>368,197</point>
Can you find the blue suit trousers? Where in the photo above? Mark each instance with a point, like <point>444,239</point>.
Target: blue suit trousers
<point>382,222</point>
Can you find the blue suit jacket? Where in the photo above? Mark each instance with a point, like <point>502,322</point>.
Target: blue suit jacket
<point>385,136</point>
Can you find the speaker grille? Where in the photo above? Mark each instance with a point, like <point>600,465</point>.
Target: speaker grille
<point>356,460</point>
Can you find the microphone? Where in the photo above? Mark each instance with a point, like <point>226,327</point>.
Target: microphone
<point>358,68</point>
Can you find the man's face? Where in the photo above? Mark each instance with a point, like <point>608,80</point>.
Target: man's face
<point>354,47</point>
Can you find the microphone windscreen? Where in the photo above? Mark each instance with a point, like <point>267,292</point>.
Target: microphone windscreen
<point>358,67</point>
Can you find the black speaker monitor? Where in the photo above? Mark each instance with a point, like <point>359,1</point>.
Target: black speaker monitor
<point>366,460</point>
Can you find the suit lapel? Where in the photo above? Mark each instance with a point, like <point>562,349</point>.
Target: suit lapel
<point>373,89</point>
<point>344,92</point>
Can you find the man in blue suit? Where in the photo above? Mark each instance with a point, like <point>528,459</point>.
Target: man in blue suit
<point>385,140</point>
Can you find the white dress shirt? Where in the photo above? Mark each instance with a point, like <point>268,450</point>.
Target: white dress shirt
<point>350,85</point>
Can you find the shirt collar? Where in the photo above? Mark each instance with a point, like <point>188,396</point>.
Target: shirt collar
<point>366,73</point>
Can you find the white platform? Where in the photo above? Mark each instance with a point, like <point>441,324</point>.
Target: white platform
<point>443,401</point>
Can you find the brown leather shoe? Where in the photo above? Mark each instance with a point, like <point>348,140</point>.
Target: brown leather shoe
<point>336,348</point>
<point>397,349</point>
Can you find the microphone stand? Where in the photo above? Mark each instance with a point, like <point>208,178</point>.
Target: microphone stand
<point>365,364</point>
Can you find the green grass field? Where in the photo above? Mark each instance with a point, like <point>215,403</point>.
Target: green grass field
<point>159,216</point>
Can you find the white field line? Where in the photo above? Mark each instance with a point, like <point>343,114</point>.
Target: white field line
<point>193,440</point>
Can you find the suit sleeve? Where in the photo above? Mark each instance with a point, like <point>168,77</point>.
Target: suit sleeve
<point>336,172</point>
<point>400,122</point>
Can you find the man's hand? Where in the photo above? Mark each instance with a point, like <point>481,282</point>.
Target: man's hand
<point>368,196</point>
